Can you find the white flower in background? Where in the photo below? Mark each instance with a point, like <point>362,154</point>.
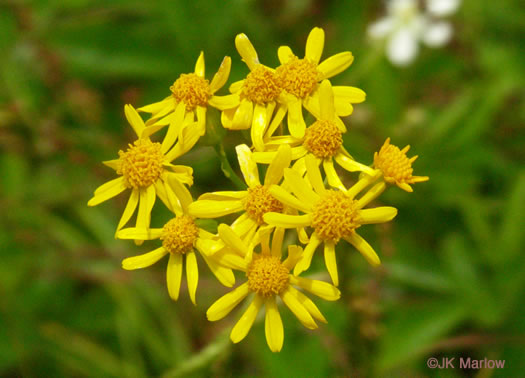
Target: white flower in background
<point>406,24</point>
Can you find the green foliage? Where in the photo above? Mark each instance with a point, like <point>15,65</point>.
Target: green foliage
<point>453,276</point>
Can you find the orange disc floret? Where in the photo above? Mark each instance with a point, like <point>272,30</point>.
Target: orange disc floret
<point>260,86</point>
<point>267,276</point>
<point>179,234</point>
<point>297,76</point>
<point>141,164</point>
<point>192,90</point>
<point>335,216</point>
<point>323,139</point>
<point>259,202</point>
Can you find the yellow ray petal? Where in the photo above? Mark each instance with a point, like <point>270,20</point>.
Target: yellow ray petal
<point>208,247</point>
<point>131,206</point>
<point>351,165</point>
<point>298,309</point>
<point>349,94</point>
<point>314,174</point>
<point>224,195</point>
<point>227,258</point>
<point>224,275</point>
<point>326,101</point>
<point>330,261</point>
<point>139,233</point>
<point>146,202</point>
<point>306,259</point>
<point>248,166</point>
<point>275,170</point>
<point>335,64</point>
<point>308,304</point>
<point>180,191</point>
<point>377,215</point>
<point>242,225</point>
<point>134,119</point>
<point>259,123</point>
<point>300,187</point>
<point>276,120</point>
<point>362,246</point>
<point>113,164</point>
<point>236,86</point>
<point>242,119</point>
<point>232,240</point>
<point>145,260</point>
<point>246,51</point>
<point>331,175</point>
<point>156,106</point>
<point>343,108</point>
<point>192,274</point>
<point>288,199</point>
<point>244,324</point>
<point>227,302</point>
<point>374,192</point>
<point>201,120</point>
<point>221,77</point>
<point>315,45</point>
<point>108,190</point>
<point>294,254</point>
<point>200,65</point>
<point>277,242</point>
<point>322,289</point>
<point>287,221</point>
<point>214,209</point>
<point>273,326</point>
<point>174,275</point>
<point>225,102</point>
<point>285,54</point>
<point>296,124</point>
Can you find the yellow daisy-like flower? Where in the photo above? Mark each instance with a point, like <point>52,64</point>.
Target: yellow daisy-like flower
<point>299,79</point>
<point>145,169</point>
<point>396,167</point>
<point>253,100</point>
<point>180,237</point>
<point>323,140</point>
<point>253,202</point>
<point>267,278</point>
<point>190,96</point>
<point>333,214</point>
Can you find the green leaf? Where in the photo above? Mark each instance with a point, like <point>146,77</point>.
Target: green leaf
<point>510,238</point>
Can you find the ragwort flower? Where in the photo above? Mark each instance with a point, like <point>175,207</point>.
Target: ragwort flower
<point>396,167</point>
<point>299,80</point>
<point>323,140</point>
<point>253,202</point>
<point>190,96</point>
<point>333,214</point>
<point>180,237</point>
<point>145,169</point>
<point>253,100</point>
<point>268,278</point>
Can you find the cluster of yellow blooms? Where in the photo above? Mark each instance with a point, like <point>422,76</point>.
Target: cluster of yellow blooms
<point>295,193</point>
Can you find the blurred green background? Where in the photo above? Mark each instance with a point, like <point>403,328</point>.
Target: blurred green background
<point>452,283</point>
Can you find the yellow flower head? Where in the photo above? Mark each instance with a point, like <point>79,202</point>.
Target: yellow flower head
<point>254,100</point>
<point>144,168</point>
<point>253,202</point>
<point>332,214</point>
<point>180,237</point>
<point>396,166</point>
<point>299,80</point>
<point>267,277</point>
<point>186,107</point>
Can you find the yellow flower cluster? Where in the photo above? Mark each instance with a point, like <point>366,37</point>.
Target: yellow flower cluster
<point>300,194</point>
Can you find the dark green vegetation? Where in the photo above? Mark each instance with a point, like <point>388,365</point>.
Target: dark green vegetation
<point>452,282</point>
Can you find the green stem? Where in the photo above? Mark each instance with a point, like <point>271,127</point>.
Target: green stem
<point>227,168</point>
